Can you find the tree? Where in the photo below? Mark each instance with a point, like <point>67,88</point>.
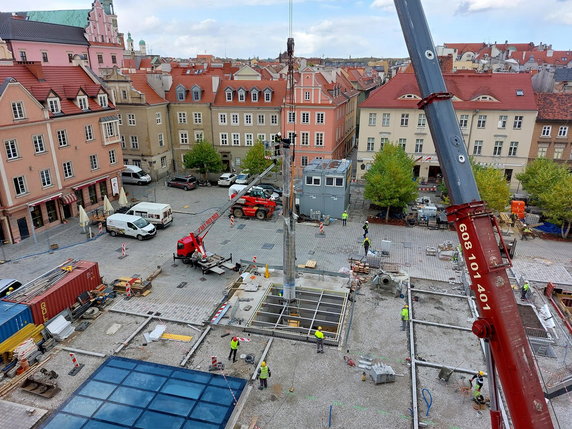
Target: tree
<point>540,175</point>
<point>557,204</point>
<point>492,186</point>
<point>389,181</point>
<point>203,157</point>
<point>254,160</point>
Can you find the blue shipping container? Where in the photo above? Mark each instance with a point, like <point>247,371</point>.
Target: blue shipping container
<point>13,317</point>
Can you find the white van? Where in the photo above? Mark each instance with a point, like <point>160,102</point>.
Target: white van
<point>132,226</point>
<point>158,214</point>
<point>134,175</point>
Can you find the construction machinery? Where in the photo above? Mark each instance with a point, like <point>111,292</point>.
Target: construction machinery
<point>508,352</point>
<point>191,248</point>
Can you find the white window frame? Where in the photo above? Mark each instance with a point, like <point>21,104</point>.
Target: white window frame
<point>559,150</point>
<point>123,144</point>
<point>82,102</point>
<point>291,117</point>
<point>93,162</point>
<point>254,95</point>
<point>197,118</point>
<point>131,120</point>
<point>119,119</point>
<point>199,136</point>
<point>562,131</point>
<point>67,168</point>
<point>304,138</point>
<point>11,146</point>
<point>418,145</point>
<point>320,118</point>
<point>163,161</point>
<point>222,119</point>
<point>54,105</point>
<point>402,143</point>
<point>261,137</point>
<point>372,119</point>
<point>305,117</point>
<point>274,119</point>
<point>267,96</point>
<point>421,120</point>
<point>546,130</point>
<point>62,136</point>
<point>183,137</point>
<point>20,185</point>
<point>260,119</point>
<point>161,139</point>
<point>39,146</point>
<point>134,142</point>
<point>248,119</point>
<point>228,95</point>
<point>482,121</point>
<point>112,157</point>
<point>319,139</point>
<point>304,161</point>
<point>88,132</point>
<point>313,181</point>
<point>503,119</point>
<point>18,111</point>
<point>234,119</point>
<point>249,139</point>
<point>497,148</point>
<point>542,150</point>
<point>385,119</point>
<point>223,139</point>
<point>335,181</point>
<point>517,124</point>
<point>404,121</point>
<point>478,147</point>
<point>241,95</point>
<point>158,118</point>
<point>181,117</point>
<point>513,148</point>
<point>383,141</point>
<point>463,121</point>
<point>370,144</point>
<point>102,100</point>
<point>235,139</point>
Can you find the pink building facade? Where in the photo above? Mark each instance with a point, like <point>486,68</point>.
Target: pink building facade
<point>98,44</point>
<point>323,117</point>
<point>61,147</point>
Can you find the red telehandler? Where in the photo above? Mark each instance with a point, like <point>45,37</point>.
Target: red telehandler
<point>508,351</point>
<point>191,248</point>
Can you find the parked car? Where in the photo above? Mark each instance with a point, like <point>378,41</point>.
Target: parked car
<point>226,179</point>
<point>133,174</point>
<point>131,226</point>
<point>242,179</point>
<point>184,182</point>
<point>270,188</point>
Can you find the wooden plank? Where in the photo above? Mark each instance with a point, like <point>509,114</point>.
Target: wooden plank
<point>176,337</point>
<point>311,264</point>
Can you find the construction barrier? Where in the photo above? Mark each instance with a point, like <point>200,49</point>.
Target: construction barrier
<point>124,249</point>
<point>322,228</point>
<point>100,228</point>
<point>254,259</point>
<point>74,360</point>
<point>231,221</point>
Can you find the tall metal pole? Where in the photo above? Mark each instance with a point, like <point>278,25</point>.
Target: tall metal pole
<point>288,197</point>
<point>479,235</point>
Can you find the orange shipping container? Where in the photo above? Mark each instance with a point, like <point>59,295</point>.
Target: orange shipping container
<point>517,207</point>
<point>62,294</point>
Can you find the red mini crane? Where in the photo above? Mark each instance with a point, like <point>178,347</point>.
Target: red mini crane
<point>479,234</point>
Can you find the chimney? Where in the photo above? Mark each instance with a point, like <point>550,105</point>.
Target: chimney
<point>446,63</point>
<point>34,67</point>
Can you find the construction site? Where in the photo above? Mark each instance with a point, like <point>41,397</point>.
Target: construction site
<point>288,324</point>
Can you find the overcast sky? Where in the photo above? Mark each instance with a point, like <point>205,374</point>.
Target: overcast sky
<point>329,28</point>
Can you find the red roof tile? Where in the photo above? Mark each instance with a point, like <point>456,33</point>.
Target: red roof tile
<point>61,80</point>
<point>465,86</point>
<point>139,81</point>
<point>278,87</point>
<point>554,106</point>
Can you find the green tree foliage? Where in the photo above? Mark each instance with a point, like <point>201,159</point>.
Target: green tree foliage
<point>203,157</point>
<point>539,176</point>
<point>389,181</point>
<point>492,186</point>
<point>557,203</point>
<point>254,160</point>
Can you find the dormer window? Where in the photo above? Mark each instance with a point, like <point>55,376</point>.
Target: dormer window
<point>267,95</point>
<point>82,102</point>
<point>54,105</point>
<point>228,94</point>
<point>196,93</point>
<point>102,100</point>
<point>254,95</point>
<point>241,95</point>
<point>181,93</point>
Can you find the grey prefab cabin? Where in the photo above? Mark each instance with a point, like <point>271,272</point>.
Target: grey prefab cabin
<point>325,188</point>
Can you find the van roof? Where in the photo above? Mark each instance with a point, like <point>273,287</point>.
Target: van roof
<point>132,167</point>
<point>146,205</point>
<point>125,217</point>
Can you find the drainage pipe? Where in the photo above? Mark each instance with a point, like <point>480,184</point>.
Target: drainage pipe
<point>195,346</point>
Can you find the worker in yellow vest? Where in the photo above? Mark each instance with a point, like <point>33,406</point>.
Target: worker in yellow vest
<point>404,317</point>
<point>344,218</point>
<point>263,374</point>
<point>319,340</point>
<point>234,345</point>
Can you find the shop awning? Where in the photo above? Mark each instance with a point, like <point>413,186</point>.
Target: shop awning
<point>44,200</point>
<point>69,198</point>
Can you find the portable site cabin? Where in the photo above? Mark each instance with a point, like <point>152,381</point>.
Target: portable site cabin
<point>325,189</point>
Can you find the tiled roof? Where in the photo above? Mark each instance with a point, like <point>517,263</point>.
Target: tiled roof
<point>554,106</point>
<point>544,57</point>
<point>463,85</point>
<point>65,81</point>
<point>278,87</point>
<point>188,81</point>
<point>18,29</point>
<point>139,81</point>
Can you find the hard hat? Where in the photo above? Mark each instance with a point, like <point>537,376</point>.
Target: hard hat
<point>481,373</point>
<point>10,288</point>
<point>234,338</point>
<point>319,328</point>
<point>263,363</point>
<point>406,306</point>
<point>366,221</point>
